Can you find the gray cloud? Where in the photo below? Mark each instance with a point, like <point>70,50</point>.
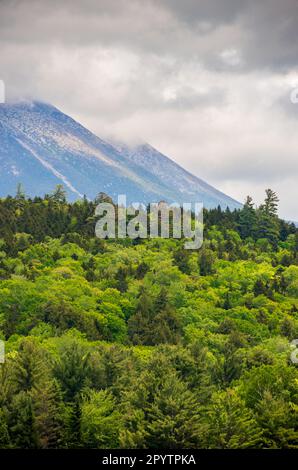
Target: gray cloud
<point>266,31</point>
<point>206,82</point>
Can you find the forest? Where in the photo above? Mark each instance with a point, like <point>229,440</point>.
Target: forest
<point>141,343</point>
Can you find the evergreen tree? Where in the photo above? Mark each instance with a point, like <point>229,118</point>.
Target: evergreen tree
<point>142,269</point>
<point>181,259</point>
<point>278,421</point>
<point>100,420</point>
<point>122,284</point>
<point>206,261</point>
<point>74,432</point>
<point>48,409</point>
<point>259,287</point>
<point>231,425</point>
<point>59,194</point>
<point>247,219</point>
<point>22,423</point>
<point>271,203</point>
<point>29,366</point>
<point>267,220</point>
<point>20,197</point>
<point>173,418</point>
<point>139,324</point>
<point>72,369</point>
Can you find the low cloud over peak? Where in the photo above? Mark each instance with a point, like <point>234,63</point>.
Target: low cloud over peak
<point>206,82</point>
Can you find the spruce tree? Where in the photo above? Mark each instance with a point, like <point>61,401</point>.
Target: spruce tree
<point>267,220</point>
<point>247,219</point>
<point>22,423</point>
<point>174,417</point>
<point>231,425</point>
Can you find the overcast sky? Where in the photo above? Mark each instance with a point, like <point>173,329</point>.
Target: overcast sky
<point>206,82</point>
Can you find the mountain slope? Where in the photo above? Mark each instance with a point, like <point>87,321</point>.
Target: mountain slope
<point>174,176</point>
<point>41,147</point>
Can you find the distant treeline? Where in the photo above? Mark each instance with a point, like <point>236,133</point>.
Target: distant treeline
<point>53,216</point>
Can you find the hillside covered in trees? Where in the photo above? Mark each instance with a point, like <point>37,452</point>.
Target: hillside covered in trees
<point>141,343</point>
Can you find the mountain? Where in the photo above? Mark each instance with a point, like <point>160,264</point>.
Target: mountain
<point>41,147</point>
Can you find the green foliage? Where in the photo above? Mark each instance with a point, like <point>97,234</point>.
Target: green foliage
<point>230,424</point>
<point>173,418</point>
<point>100,421</point>
<point>141,343</point>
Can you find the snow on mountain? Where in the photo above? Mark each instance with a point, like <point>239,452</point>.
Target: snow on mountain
<point>174,176</point>
<point>42,147</point>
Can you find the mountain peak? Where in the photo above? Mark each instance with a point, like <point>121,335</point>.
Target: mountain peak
<point>42,147</point>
